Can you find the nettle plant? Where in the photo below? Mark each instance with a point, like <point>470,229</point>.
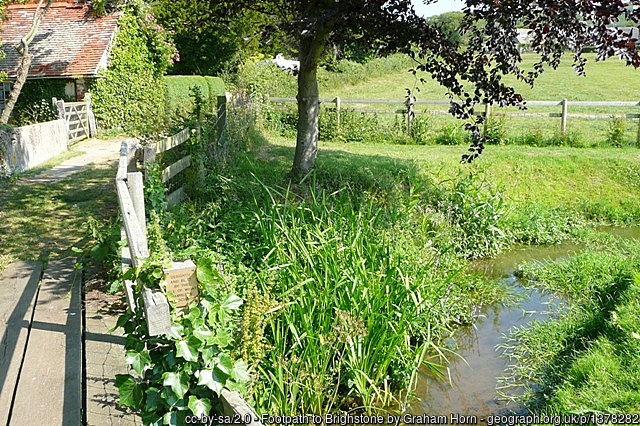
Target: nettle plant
<point>182,373</point>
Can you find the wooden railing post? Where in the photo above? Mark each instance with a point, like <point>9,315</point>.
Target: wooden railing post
<point>638,135</point>
<point>91,118</point>
<point>59,104</point>
<point>338,103</point>
<point>221,123</point>
<point>564,116</point>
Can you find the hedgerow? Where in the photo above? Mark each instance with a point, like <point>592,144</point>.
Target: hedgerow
<point>131,94</point>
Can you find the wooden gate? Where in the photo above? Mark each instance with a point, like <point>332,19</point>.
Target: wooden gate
<point>81,123</point>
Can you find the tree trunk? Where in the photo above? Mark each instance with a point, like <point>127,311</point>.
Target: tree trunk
<point>308,103</point>
<point>25,62</point>
<point>23,72</point>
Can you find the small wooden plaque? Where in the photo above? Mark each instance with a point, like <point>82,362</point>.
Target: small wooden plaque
<point>182,283</point>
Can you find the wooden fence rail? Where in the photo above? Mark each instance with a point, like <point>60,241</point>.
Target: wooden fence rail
<point>564,104</point>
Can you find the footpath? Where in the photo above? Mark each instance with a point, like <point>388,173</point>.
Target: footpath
<point>57,360</point>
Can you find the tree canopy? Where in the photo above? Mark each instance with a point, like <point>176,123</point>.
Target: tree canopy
<point>472,71</point>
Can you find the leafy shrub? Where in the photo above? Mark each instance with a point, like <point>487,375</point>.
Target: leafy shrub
<point>183,372</point>
<point>420,129</point>
<point>494,130</point>
<point>281,119</point>
<point>132,95</point>
<point>475,210</point>
<point>451,134</point>
<point>573,140</point>
<point>34,104</point>
<point>265,78</point>
<point>615,136</point>
<point>534,224</point>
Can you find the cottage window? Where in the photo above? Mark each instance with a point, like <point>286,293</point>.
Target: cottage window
<point>4,93</point>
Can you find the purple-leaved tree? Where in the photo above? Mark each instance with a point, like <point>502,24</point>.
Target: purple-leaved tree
<point>472,73</point>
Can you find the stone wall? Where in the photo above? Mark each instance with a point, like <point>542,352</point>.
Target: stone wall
<point>23,148</point>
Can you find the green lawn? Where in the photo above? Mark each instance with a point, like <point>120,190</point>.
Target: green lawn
<point>549,176</point>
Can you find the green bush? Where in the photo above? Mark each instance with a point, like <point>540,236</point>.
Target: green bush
<point>35,104</point>
<point>475,210</point>
<point>265,78</point>
<point>451,134</point>
<point>180,104</point>
<point>615,135</point>
<point>131,94</point>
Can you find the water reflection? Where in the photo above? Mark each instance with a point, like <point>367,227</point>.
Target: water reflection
<point>474,375</point>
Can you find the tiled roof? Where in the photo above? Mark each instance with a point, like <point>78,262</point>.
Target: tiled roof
<point>69,42</point>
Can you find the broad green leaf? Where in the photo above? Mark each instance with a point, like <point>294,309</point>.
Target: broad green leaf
<point>225,364</point>
<point>222,338</point>
<point>232,303</point>
<point>240,371</point>
<point>170,418</point>
<point>157,273</point>
<point>199,407</point>
<point>153,400</point>
<point>188,349</point>
<point>151,419</point>
<point>203,333</point>
<point>209,354</point>
<point>131,393</point>
<point>208,275</point>
<point>138,360</point>
<point>177,331</point>
<point>179,383</point>
<point>209,379</point>
<point>193,314</point>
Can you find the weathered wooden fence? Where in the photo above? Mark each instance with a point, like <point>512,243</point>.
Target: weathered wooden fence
<point>411,108</point>
<point>130,191</point>
<point>81,123</point>
<point>150,154</point>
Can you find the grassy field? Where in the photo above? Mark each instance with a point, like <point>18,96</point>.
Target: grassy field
<point>580,180</point>
<point>391,82</point>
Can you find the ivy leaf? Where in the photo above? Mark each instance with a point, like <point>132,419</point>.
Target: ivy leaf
<point>151,419</point>
<point>211,380</point>
<point>199,407</point>
<point>208,275</point>
<point>178,382</point>
<point>225,364</point>
<point>138,360</point>
<point>232,303</point>
<point>170,418</point>
<point>153,399</point>
<point>240,371</point>
<point>131,393</point>
<point>203,333</point>
<point>157,273</point>
<point>177,331</point>
<point>221,339</point>
<point>188,349</point>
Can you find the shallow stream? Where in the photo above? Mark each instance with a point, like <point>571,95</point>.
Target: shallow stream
<point>474,373</point>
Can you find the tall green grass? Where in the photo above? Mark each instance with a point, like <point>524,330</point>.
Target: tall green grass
<point>364,304</point>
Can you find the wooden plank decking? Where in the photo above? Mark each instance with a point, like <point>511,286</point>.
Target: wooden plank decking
<point>42,349</point>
